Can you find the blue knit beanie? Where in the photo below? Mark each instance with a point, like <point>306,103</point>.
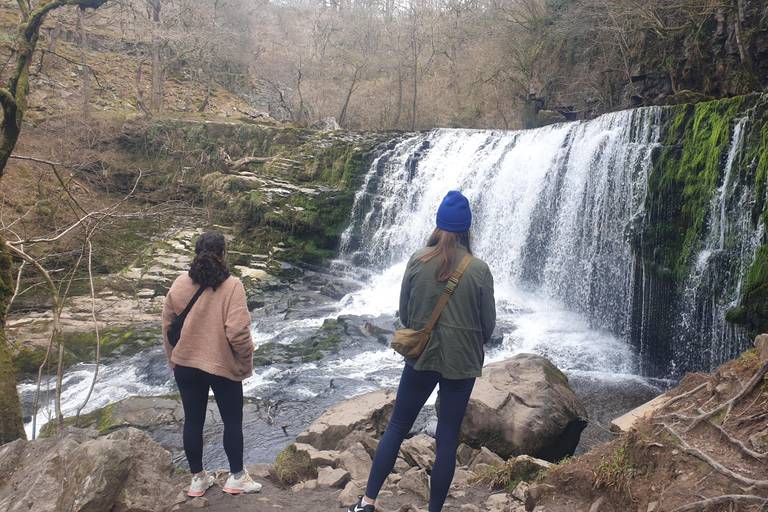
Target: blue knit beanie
<point>454,213</point>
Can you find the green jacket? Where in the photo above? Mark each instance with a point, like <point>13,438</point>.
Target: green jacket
<point>456,346</point>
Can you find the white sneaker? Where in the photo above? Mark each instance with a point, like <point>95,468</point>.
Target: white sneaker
<point>200,484</point>
<point>243,484</point>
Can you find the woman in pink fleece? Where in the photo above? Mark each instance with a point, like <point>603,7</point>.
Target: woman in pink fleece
<point>214,352</point>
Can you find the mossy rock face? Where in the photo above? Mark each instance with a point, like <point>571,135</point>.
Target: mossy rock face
<point>753,313</point>
<point>687,176</point>
<point>81,347</point>
<point>326,340</point>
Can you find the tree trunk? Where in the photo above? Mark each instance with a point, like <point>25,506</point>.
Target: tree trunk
<point>158,70</point>
<point>13,98</point>
<point>11,420</point>
<point>84,64</point>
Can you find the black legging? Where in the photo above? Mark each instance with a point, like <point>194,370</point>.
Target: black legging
<point>193,386</point>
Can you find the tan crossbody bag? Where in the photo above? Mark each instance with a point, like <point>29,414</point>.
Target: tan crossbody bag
<point>411,343</point>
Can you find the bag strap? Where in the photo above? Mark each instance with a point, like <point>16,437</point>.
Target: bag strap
<point>452,282</point>
<point>184,313</point>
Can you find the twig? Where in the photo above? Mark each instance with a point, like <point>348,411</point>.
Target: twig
<point>96,327</point>
<point>690,450</point>
<point>721,500</point>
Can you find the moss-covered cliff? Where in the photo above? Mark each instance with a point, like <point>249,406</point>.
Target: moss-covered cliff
<point>711,161</point>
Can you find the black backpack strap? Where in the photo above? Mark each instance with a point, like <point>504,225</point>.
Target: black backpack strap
<point>184,313</point>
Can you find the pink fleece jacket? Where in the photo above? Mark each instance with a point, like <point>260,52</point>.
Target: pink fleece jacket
<point>216,336</point>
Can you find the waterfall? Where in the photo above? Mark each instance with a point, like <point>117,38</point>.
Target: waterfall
<point>552,207</point>
<point>557,215</point>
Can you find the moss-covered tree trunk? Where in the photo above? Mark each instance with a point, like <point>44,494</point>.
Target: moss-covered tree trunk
<point>13,99</point>
<point>11,420</point>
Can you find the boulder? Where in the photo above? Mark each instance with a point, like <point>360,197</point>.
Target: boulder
<point>76,470</point>
<point>484,459</point>
<point>317,457</point>
<point>761,344</point>
<point>524,405</point>
<point>465,454</point>
<point>328,477</point>
<point>368,412</point>
<point>350,493</point>
<point>419,451</point>
<point>150,476</point>
<point>415,480</point>
<point>363,438</point>
<point>357,461</point>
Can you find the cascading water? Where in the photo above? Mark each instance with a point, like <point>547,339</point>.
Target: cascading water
<point>552,209</point>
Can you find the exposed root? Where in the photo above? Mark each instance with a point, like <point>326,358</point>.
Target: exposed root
<point>756,379</point>
<point>684,395</point>
<point>744,448</point>
<point>690,450</point>
<point>721,500</point>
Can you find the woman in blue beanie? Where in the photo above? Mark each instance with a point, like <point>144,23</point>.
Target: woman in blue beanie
<point>453,357</point>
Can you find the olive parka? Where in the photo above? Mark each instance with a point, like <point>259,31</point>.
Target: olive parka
<point>455,348</point>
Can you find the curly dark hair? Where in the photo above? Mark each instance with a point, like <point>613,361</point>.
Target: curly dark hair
<point>208,268</point>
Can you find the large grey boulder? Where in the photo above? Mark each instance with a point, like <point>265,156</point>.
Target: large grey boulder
<point>524,405</point>
<point>76,470</point>
<point>369,413</point>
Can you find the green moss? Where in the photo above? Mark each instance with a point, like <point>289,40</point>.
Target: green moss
<point>753,313</point>
<point>687,171</point>
<point>292,467</point>
<point>81,346</point>
<point>326,340</point>
<point>100,419</point>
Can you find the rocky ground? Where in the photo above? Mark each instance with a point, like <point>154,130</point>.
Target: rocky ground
<point>702,447</point>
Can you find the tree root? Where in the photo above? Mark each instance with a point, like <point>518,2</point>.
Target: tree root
<point>744,448</point>
<point>721,500</point>
<point>690,450</point>
<point>756,379</point>
<point>684,395</point>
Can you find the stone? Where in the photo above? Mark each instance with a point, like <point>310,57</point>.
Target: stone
<point>497,502</point>
<point>462,478</point>
<point>415,480</point>
<point>401,466</point>
<point>76,470</point>
<point>537,490</point>
<point>258,470</point>
<point>528,468</point>
<point>363,438</point>
<point>465,454</point>
<point>485,458</point>
<point>470,507</point>
<point>368,412</point>
<point>761,344</point>
<point>329,477</point>
<point>200,502</point>
<point>653,506</point>
<point>520,492</point>
<point>150,476</point>
<point>524,405</point>
<point>419,451</point>
<point>318,457</point>
<point>357,461</point>
<point>350,493</point>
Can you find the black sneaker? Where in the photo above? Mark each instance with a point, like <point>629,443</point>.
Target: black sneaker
<point>358,507</point>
